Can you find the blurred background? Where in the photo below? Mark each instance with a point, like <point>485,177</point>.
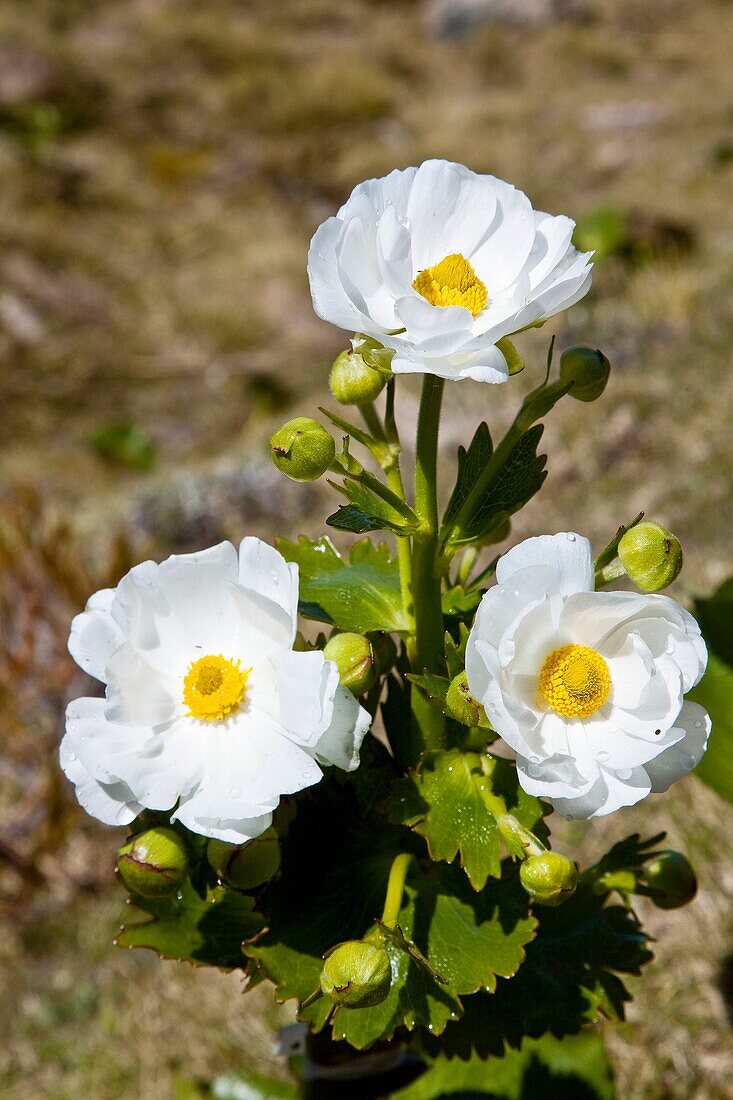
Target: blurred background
<point>164,164</point>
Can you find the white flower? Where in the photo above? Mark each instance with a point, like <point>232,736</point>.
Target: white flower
<point>207,706</point>
<point>587,687</point>
<point>440,263</point>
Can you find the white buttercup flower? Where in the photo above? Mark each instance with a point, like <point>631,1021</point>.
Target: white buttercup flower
<point>207,705</point>
<point>587,687</point>
<point>440,263</point>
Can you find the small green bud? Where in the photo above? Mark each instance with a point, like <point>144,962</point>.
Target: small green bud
<point>354,658</point>
<point>549,878</point>
<point>384,650</point>
<point>353,381</point>
<point>246,866</point>
<point>302,449</point>
<point>154,863</point>
<point>461,705</point>
<point>357,974</point>
<point>651,556</point>
<point>587,369</point>
<point>670,880</point>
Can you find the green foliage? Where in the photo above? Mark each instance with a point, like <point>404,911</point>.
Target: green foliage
<point>449,941</point>
<point>516,481</point>
<point>455,799</point>
<point>569,979</point>
<point>206,927</point>
<point>575,1067</point>
<point>715,693</point>
<point>366,512</point>
<point>125,445</point>
<point>357,595</point>
<point>715,616</point>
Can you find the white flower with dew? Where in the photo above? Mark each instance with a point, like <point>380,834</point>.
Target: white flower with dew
<point>439,263</point>
<point>208,709</point>
<point>587,687</point>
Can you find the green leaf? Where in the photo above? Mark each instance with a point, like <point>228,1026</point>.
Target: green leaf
<point>516,482</point>
<point>715,693</point>
<point>359,595</point>
<point>369,512</point>
<point>460,601</point>
<point>715,616</point>
<point>207,930</point>
<point>467,938</point>
<point>433,685</point>
<point>471,463</point>
<point>576,1068</point>
<point>455,799</point>
<point>567,981</point>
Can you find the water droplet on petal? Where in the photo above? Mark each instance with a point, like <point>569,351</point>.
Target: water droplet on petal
<point>72,755</point>
<point>688,759</point>
<point>603,756</point>
<point>235,792</point>
<point>624,774</point>
<point>571,537</point>
<point>669,648</point>
<point>698,726</point>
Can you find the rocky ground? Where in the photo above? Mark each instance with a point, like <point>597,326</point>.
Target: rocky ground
<point>164,164</point>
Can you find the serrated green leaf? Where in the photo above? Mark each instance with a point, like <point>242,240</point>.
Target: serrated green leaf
<point>467,938</point>
<point>567,981</point>
<point>715,693</point>
<point>433,685</point>
<point>575,1067</point>
<point>516,482</point>
<point>349,517</point>
<point>460,601</point>
<point>454,801</point>
<point>359,595</point>
<point>455,651</point>
<point>471,463</point>
<point>207,930</point>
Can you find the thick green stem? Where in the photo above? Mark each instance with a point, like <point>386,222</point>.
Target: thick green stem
<point>395,889</point>
<point>426,651</point>
<point>404,545</point>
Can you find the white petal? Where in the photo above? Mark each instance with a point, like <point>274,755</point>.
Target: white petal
<point>330,300</point>
<point>341,742</point>
<point>506,245</point>
<point>306,685</point>
<point>137,693</point>
<point>694,723</point>
<point>608,794</point>
<point>567,554</point>
<point>230,830</point>
<point>449,210</point>
<point>111,803</point>
<point>95,635</point>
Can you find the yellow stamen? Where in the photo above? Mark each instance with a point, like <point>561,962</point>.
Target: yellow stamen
<point>213,687</point>
<point>575,681</point>
<point>452,282</point>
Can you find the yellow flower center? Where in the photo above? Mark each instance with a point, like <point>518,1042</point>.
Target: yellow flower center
<point>213,687</point>
<point>575,681</point>
<point>452,282</point>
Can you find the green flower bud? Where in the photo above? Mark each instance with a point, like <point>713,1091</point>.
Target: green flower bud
<point>302,449</point>
<point>549,878</point>
<point>354,658</point>
<point>461,705</point>
<point>353,381</point>
<point>670,880</point>
<point>587,369</point>
<point>248,865</point>
<point>384,650</point>
<point>651,556</point>
<point>357,974</point>
<point>154,863</point>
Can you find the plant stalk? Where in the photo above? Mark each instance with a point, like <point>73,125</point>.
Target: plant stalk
<point>395,889</point>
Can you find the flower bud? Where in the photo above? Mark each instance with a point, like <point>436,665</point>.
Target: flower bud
<point>384,650</point>
<point>670,880</point>
<point>461,705</point>
<point>354,658</point>
<point>154,863</point>
<point>587,369</point>
<point>248,865</point>
<point>651,556</point>
<point>549,878</point>
<point>353,381</point>
<point>302,449</point>
<point>357,974</point>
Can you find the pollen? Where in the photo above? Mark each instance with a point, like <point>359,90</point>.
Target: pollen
<point>213,687</point>
<point>575,681</point>
<point>452,282</point>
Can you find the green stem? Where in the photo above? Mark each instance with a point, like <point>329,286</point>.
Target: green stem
<point>611,571</point>
<point>404,547</point>
<point>426,651</point>
<point>372,421</point>
<point>395,889</point>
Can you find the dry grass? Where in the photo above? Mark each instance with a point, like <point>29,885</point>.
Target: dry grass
<point>164,164</point>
